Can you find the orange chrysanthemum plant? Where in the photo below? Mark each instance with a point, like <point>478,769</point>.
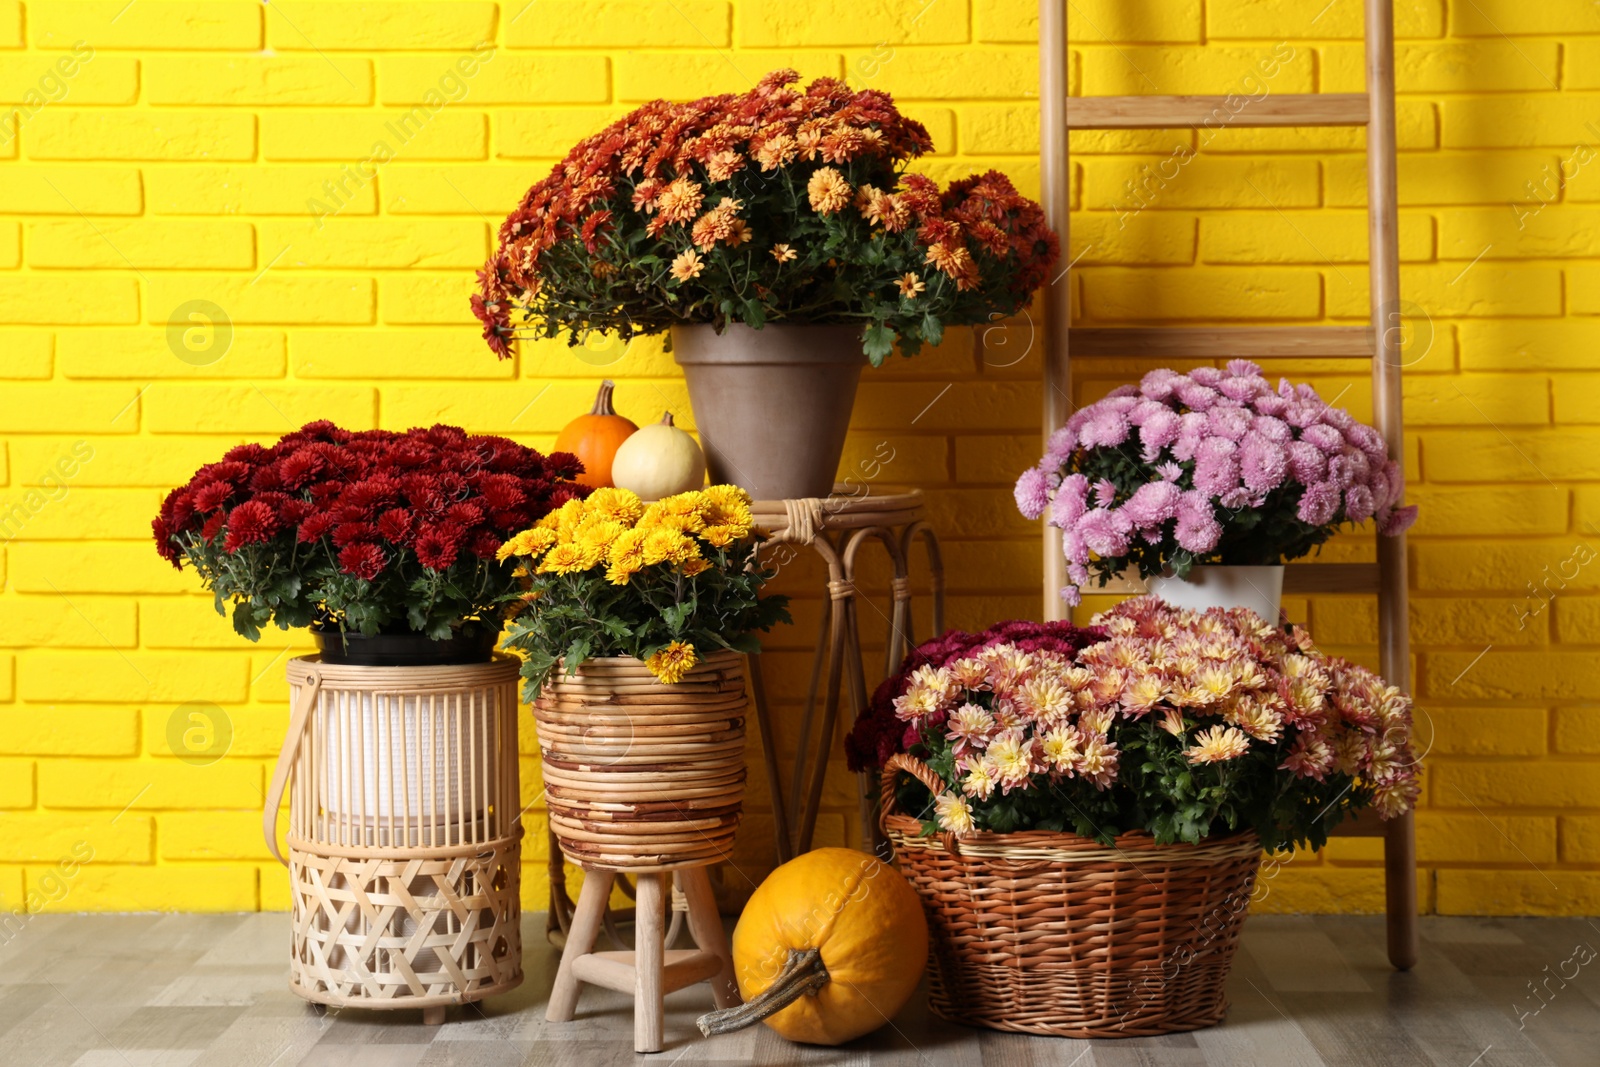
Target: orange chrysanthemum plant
<point>776,205</point>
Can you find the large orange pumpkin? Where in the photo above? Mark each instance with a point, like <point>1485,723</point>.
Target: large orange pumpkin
<point>594,438</point>
<point>829,947</point>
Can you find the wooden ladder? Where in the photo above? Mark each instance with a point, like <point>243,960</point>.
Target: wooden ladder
<point>1378,342</point>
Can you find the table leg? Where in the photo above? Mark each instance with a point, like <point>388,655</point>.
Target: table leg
<point>769,753</point>
<point>802,745</point>
<point>830,711</point>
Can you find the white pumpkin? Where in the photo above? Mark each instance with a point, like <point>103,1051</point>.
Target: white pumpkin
<point>659,460</point>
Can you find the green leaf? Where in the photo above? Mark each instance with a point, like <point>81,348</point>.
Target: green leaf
<point>244,621</point>
<point>878,342</point>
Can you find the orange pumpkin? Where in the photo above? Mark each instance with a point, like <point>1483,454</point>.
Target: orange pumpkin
<point>594,438</point>
<point>828,948</point>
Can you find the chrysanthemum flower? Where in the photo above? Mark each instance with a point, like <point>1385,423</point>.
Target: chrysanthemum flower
<point>1143,692</point>
<point>1045,698</point>
<point>687,265</point>
<point>723,165</point>
<point>362,559</point>
<point>969,673</point>
<point>1099,762</point>
<point>680,200</point>
<point>910,285</point>
<point>1217,744</point>
<point>783,253</point>
<point>618,505</point>
<point>979,780</point>
<point>597,533</point>
<point>564,558</point>
<point>969,727</point>
<point>1012,757</point>
<point>671,663</point>
<point>776,151</point>
<point>1063,749</point>
<point>664,545</point>
<point>828,191</point>
<point>250,523</point>
<point>1255,718</point>
<point>531,543</point>
<point>709,229</point>
<point>953,814</point>
<point>565,518</point>
<point>625,558</point>
<point>1311,757</point>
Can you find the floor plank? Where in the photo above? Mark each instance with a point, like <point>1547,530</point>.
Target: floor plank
<point>211,991</point>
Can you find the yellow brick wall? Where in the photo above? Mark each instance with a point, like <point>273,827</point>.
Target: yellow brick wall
<point>175,155</point>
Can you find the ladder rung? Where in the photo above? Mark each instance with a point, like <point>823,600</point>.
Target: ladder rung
<point>1260,342</point>
<point>1367,823</point>
<point>1211,112</point>
<point>1299,579</point>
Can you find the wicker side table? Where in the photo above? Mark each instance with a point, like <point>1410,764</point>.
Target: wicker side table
<point>836,528</point>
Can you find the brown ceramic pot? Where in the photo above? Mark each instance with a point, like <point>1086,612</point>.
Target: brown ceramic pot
<point>771,405</point>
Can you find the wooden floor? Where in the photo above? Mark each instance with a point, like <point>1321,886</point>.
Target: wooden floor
<point>187,991</point>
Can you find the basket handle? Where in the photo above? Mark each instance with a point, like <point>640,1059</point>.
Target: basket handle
<point>896,763</point>
<point>286,757</point>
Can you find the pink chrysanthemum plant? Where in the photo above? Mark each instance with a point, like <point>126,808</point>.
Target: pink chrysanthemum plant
<point>774,205</point>
<point>1180,724</point>
<point>1213,466</point>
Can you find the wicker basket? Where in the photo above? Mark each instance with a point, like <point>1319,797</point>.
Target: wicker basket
<point>404,837</point>
<point>1051,933</point>
<point>639,775</point>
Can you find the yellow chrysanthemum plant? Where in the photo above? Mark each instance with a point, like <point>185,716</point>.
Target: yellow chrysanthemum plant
<point>668,582</point>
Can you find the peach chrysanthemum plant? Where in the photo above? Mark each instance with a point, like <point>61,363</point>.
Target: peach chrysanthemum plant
<point>775,205</point>
<point>1181,724</point>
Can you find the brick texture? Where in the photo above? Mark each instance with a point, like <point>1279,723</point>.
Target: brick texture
<point>229,153</point>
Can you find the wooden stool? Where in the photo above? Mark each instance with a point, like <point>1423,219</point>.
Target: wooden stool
<point>651,971</point>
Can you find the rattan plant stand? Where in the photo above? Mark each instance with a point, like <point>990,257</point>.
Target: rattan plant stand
<point>646,779</point>
<point>836,528</point>
<point>1051,933</point>
<point>404,837</point>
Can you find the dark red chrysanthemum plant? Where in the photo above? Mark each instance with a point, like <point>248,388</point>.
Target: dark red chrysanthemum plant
<point>374,531</point>
<point>775,205</point>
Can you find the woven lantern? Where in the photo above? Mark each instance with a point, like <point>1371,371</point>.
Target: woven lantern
<point>404,838</point>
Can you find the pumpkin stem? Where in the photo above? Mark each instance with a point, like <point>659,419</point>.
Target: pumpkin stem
<point>666,419</point>
<point>803,974</point>
<point>602,399</point>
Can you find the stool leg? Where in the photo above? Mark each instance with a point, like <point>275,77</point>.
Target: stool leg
<point>648,960</point>
<point>580,940</point>
<point>433,1016</point>
<point>706,926</point>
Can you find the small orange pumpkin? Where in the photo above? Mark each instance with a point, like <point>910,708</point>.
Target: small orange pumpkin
<point>594,438</point>
<point>828,948</point>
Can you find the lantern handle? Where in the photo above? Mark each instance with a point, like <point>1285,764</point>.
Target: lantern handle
<point>286,757</point>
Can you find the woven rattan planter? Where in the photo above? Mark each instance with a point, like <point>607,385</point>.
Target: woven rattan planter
<point>1049,933</point>
<point>640,775</point>
<point>404,841</point>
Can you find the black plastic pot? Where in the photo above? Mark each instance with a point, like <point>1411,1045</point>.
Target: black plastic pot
<point>404,650</point>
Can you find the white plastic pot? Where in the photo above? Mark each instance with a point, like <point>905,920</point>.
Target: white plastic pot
<point>1222,586</point>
